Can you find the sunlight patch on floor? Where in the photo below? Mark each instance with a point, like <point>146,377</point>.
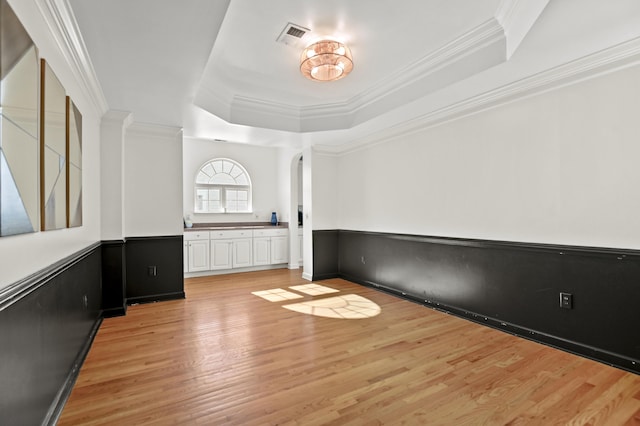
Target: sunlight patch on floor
<point>276,295</point>
<point>313,289</point>
<point>350,306</point>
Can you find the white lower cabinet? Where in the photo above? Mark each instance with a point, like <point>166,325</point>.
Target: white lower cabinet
<point>279,250</point>
<point>231,248</point>
<point>198,256</point>
<point>235,248</point>
<point>261,251</point>
<point>270,246</point>
<point>196,253</point>
<point>185,256</point>
<point>242,253</point>
<point>221,254</point>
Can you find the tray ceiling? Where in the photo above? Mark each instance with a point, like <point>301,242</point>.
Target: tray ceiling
<point>217,70</point>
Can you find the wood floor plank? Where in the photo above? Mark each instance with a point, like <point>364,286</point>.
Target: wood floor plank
<point>225,356</point>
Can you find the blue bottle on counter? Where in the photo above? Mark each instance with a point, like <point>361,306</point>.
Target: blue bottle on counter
<point>274,219</point>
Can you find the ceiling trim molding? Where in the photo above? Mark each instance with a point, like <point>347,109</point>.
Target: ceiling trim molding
<point>263,113</point>
<point>270,107</point>
<point>506,11</point>
<point>117,118</point>
<point>517,17</point>
<point>417,79</point>
<point>478,38</point>
<point>214,102</point>
<point>66,33</point>
<point>597,64</point>
<point>326,110</point>
<point>154,131</point>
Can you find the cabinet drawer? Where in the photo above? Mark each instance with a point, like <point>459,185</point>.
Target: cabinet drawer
<point>231,233</point>
<point>270,232</point>
<point>191,236</point>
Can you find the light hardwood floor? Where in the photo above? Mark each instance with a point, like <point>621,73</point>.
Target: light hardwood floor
<point>225,356</point>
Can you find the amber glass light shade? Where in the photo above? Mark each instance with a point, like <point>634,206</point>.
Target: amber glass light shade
<point>326,60</point>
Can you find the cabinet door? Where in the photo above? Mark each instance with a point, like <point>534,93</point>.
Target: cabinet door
<point>198,255</point>
<point>242,253</point>
<point>261,251</point>
<point>221,254</point>
<point>279,250</point>
<point>185,257</point>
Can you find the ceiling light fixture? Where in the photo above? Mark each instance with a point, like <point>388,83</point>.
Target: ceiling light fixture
<point>326,60</point>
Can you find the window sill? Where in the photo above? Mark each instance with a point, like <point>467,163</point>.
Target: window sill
<point>203,213</point>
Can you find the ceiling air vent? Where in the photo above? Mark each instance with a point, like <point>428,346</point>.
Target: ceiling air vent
<point>293,35</point>
<point>296,32</point>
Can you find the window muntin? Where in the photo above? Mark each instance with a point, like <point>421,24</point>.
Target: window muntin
<point>222,186</point>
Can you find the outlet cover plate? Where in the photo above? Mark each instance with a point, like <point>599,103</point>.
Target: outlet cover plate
<point>566,300</point>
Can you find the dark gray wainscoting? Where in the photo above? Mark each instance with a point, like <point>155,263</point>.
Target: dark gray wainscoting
<point>514,287</point>
<point>47,324</point>
<point>114,302</point>
<point>325,254</point>
<point>154,269</point>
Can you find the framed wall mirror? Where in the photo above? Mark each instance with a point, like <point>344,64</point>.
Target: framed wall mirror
<point>53,151</point>
<point>19,201</point>
<point>74,165</point>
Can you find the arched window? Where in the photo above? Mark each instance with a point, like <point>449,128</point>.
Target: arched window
<point>222,186</point>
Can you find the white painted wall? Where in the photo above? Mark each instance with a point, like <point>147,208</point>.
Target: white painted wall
<point>23,255</point>
<point>324,189</point>
<point>285,196</point>
<point>262,164</point>
<point>560,167</point>
<point>307,212</point>
<point>288,193</point>
<point>112,138</point>
<point>152,181</point>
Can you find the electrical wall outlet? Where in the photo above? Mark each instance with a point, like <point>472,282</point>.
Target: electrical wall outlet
<point>152,271</point>
<point>566,300</point>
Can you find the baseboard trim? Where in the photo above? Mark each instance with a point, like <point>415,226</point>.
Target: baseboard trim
<point>235,270</point>
<point>114,312</point>
<point>59,402</point>
<point>325,276</point>
<point>156,298</point>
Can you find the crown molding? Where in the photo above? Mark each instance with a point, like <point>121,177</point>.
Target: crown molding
<point>591,66</point>
<point>154,131</point>
<point>245,103</point>
<point>480,37</point>
<point>215,101</point>
<point>506,11</point>
<point>437,69</point>
<point>117,118</point>
<point>517,17</point>
<point>263,113</point>
<point>66,33</point>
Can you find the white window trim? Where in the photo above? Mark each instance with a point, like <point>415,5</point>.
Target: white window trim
<point>223,190</point>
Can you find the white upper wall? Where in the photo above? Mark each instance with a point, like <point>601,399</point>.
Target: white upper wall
<point>325,184</point>
<point>287,157</point>
<point>560,167</point>
<point>112,138</point>
<point>23,255</point>
<point>261,163</point>
<point>152,181</point>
